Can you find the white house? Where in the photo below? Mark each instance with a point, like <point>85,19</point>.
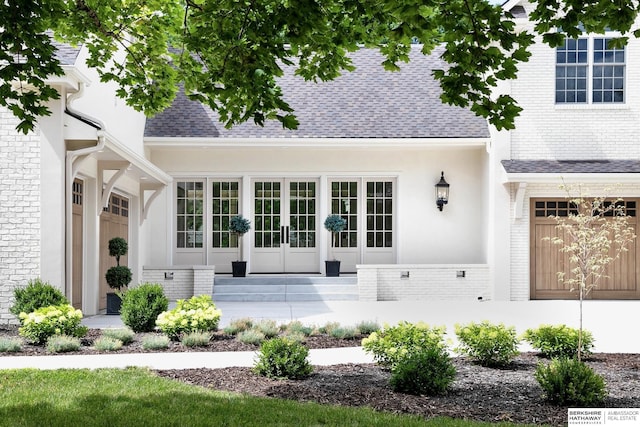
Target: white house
<point>371,146</point>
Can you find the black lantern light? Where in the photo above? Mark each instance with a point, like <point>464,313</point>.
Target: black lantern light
<point>442,192</point>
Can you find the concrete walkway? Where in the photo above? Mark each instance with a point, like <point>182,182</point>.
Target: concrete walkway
<point>613,324</point>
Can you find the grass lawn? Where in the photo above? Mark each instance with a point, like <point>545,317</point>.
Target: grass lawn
<point>135,397</point>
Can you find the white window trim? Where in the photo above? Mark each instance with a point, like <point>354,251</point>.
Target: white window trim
<point>590,105</point>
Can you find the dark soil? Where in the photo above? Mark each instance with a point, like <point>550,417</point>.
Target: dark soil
<point>478,393</point>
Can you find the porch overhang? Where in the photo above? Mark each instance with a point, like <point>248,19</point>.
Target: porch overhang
<point>601,172</point>
<point>571,171</point>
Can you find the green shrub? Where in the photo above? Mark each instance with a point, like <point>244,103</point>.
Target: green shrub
<point>238,325</point>
<point>345,332</point>
<point>428,371</point>
<point>35,295</point>
<point>294,336</point>
<point>196,339</point>
<point>487,344</point>
<point>10,345</point>
<point>142,305</point>
<point>392,344</point>
<point>328,327</point>
<point>250,336</point>
<point>62,344</point>
<point>296,327</point>
<point>198,313</point>
<point>125,335</point>
<point>568,382</point>
<point>367,327</point>
<point>45,322</point>
<point>558,340</point>
<point>283,358</point>
<point>268,327</point>
<point>107,344</point>
<point>155,342</point>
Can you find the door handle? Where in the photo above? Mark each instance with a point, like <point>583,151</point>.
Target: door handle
<point>287,234</point>
<point>282,234</point>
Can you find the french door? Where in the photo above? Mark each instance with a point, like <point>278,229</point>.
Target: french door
<point>285,226</point>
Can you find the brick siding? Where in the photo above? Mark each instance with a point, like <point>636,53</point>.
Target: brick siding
<point>20,210</point>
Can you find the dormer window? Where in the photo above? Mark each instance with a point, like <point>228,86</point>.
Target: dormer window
<point>589,70</point>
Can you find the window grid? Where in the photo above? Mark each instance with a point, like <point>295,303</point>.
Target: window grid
<point>379,214</point>
<point>571,71</point>
<point>225,204</point>
<point>608,72</point>
<point>190,214</point>
<point>77,192</point>
<point>302,214</point>
<point>344,202</point>
<point>598,70</point>
<point>267,215</point>
<point>547,208</point>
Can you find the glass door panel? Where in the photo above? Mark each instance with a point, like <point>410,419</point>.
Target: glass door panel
<point>285,226</point>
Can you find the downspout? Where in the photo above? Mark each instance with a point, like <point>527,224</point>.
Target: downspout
<point>70,174</point>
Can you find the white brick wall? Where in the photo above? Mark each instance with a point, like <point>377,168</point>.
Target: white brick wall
<point>545,130</point>
<point>19,210</point>
<point>425,282</point>
<point>187,280</point>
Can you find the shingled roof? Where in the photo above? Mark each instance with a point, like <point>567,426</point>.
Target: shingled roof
<point>367,103</point>
<point>571,166</point>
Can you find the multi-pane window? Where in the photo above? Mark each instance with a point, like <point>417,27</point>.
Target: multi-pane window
<point>190,214</point>
<point>379,218</point>
<point>571,71</point>
<point>344,202</point>
<point>267,215</point>
<point>546,208</point>
<point>225,204</point>
<point>302,214</point>
<point>118,206</point>
<point>590,70</point>
<point>608,72</point>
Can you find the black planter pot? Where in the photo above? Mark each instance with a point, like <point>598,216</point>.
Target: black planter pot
<point>332,268</point>
<point>239,268</point>
<point>113,303</point>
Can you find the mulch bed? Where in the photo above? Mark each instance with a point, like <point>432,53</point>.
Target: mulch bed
<point>478,393</point>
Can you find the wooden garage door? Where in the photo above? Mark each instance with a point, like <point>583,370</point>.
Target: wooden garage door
<point>77,243</point>
<point>546,259</point>
<point>114,222</point>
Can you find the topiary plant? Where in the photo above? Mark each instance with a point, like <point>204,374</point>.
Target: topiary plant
<point>119,276</point>
<point>239,225</point>
<point>334,224</point>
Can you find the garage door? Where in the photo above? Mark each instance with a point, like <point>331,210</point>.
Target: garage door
<point>547,260</point>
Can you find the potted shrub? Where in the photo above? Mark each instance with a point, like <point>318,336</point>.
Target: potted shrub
<point>239,225</point>
<point>334,224</point>
<point>117,277</point>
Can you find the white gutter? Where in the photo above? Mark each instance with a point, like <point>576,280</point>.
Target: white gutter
<point>293,141</point>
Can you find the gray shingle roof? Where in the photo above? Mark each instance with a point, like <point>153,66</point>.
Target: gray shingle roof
<point>571,166</point>
<point>65,53</point>
<point>367,103</point>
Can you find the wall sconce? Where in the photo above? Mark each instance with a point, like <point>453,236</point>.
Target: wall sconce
<point>442,192</point>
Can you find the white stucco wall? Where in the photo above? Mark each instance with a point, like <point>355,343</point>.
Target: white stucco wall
<point>424,234</point>
<point>100,101</point>
<point>20,210</point>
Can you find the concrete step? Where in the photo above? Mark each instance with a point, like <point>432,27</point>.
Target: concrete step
<point>260,288</point>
